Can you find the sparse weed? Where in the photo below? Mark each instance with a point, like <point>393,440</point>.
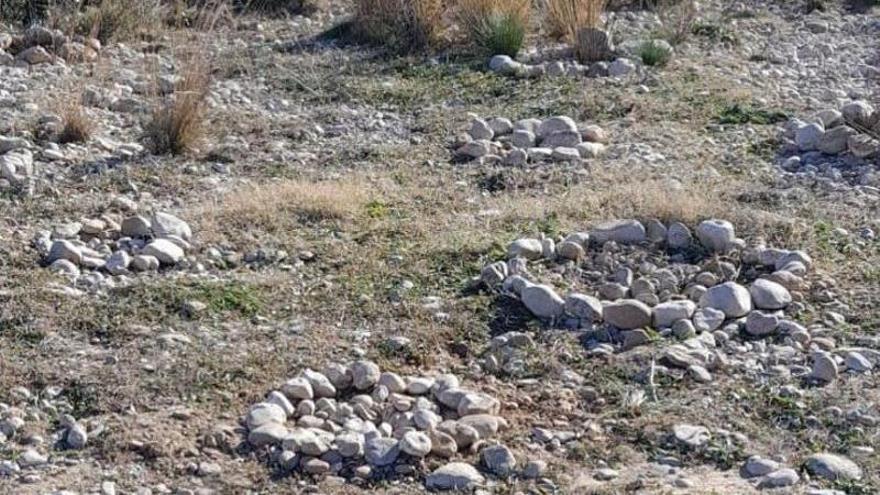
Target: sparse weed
<point>737,114</point>
<point>178,124</point>
<point>678,18</point>
<point>77,126</point>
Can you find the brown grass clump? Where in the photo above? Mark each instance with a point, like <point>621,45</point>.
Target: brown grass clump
<point>178,124</point>
<point>402,25</point>
<point>109,20</point>
<point>580,22</point>
<point>278,207</point>
<point>77,125</point>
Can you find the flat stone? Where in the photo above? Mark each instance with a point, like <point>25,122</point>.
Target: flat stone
<point>833,467</point>
<point>454,476</point>
<point>667,313</point>
<point>627,314</point>
<point>619,231</point>
<point>542,301</point>
<point>381,452</point>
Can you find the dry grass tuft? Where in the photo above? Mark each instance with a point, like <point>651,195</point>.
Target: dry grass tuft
<point>177,125</point>
<point>564,18</point>
<point>402,25</point>
<point>278,207</point>
<point>77,127</point>
<point>498,26</point>
<point>109,20</point>
<point>678,18</point>
<point>580,22</point>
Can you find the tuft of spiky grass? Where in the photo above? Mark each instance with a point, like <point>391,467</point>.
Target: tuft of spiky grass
<point>654,53</point>
<point>77,126</point>
<point>178,123</point>
<point>495,26</point>
<point>400,25</point>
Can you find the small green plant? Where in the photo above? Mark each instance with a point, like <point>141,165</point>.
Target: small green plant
<point>654,53</point>
<point>737,114</point>
<point>501,34</point>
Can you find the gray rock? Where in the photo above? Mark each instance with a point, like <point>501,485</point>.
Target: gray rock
<point>567,139</point>
<point>542,301</point>
<point>634,338</point>
<point>730,298</point>
<point>590,150</point>
<point>480,130</point>
<point>667,313</point>
<point>858,112</point>
<point>500,126</point>
<point>716,235</point>
<point>144,263</point>
<point>691,435</point>
<point>857,362</point>
<point>808,137</point>
<point>679,236</point>
<point>833,467</point>
<point>264,413</point>
<point>364,374</point>
<point>167,252</point>
<point>298,388</point>
<point>475,149</point>
<point>555,124</point>
<point>136,226</point>
<point>758,466</point>
<point>454,476</point>
<point>835,140</point>
<point>504,65</point>
<point>76,437</point>
<point>824,367</point>
<point>416,444</point>
<point>564,154</point>
<point>619,231</point>
<point>65,250</point>
<point>708,319</point>
<point>499,460</point>
<point>522,138</point>
<point>530,249</point>
<point>584,307</point>
<point>118,262</point>
<point>166,224</point>
<point>621,67</point>
<point>761,324</point>
<point>627,314</point>
<point>381,452</point>
<point>769,295</point>
<point>779,478</point>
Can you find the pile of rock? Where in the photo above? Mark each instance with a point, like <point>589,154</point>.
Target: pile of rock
<point>115,244</point>
<point>704,287</point>
<point>40,45</point>
<point>498,140</point>
<point>21,449</point>
<point>852,129</point>
<point>504,65</point>
<point>16,161</point>
<point>361,424</point>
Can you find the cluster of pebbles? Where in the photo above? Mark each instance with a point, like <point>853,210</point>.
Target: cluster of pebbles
<point>498,140</point>
<point>835,143</point>
<point>40,45</point>
<point>361,424</point>
<point>22,451</point>
<point>504,65</point>
<point>704,287</point>
<point>118,243</point>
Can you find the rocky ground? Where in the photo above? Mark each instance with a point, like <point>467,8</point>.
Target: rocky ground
<point>392,274</point>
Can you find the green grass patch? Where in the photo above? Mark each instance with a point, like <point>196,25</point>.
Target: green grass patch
<point>739,114</point>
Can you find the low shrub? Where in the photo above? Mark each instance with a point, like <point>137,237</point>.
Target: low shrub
<point>655,53</point>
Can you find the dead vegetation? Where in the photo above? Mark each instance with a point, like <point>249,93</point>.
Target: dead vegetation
<point>401,25</point>
<point>77,126</point>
